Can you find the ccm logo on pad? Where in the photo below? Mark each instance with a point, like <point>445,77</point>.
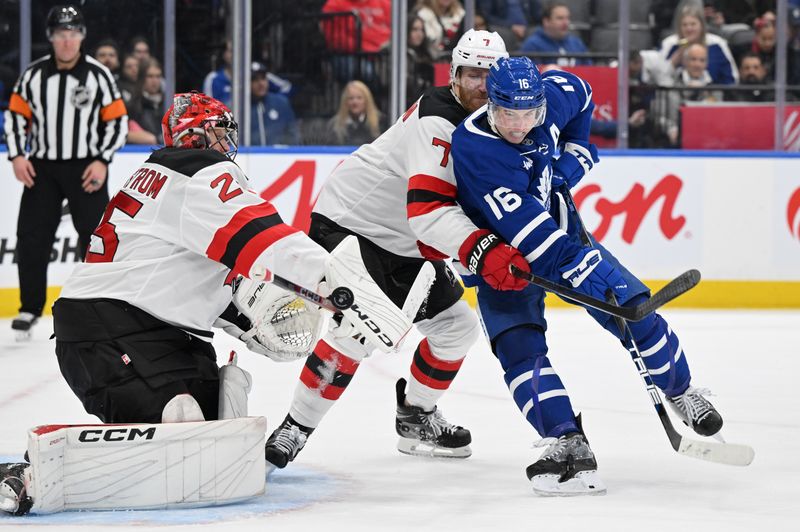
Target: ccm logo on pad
<point>116,434</point>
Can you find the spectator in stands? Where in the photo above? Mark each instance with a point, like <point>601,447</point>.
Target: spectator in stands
<point>128,75</point>
<point>510,18</point>
<point>340,34</point>
<point>358,120</point>
<point>376,25</point>
<point>107,53</point>
<point>139,48</point>
<point>692,73</point>
<point>752,72</point>
<point>420,62</point>
<point>272,120</point>
<point>444,24</point>
<point>217,83</point>
<point>146,107</point>
<point>553,36</point>
<point>691,29</point>
<point>764,43</point>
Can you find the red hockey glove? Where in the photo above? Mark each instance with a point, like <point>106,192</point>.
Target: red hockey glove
<point>485,254</point>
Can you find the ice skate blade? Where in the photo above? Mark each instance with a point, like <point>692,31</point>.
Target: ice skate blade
<point>270,468</point>
<point>583,483</point>
<point>420,448</point>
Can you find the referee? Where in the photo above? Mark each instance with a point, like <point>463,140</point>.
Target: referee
<point>67,116</point>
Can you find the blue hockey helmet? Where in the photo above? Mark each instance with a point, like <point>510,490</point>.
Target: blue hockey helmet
<point>515,83</point>
<point>516,95</point>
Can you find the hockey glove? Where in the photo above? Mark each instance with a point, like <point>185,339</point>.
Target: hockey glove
<point>576,160</point>
<point>485,254</point>
<point>590,274</point>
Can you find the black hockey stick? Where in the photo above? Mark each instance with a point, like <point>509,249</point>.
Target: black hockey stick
<point>721,453</point>
<point>340,299</point>
<point>680,285</point>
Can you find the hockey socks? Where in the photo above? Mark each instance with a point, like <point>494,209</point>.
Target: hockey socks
<point>431,376</point>
<point>535,386</point>
<point>326,374</point>
<point>662,354</point>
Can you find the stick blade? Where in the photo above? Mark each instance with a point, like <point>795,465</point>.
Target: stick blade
<point>734,454</point>
<point>676,287</point>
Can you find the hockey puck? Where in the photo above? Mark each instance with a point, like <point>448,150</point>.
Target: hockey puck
<point>342,298</point>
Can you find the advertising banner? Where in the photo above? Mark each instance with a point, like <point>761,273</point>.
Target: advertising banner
<point>735,218</point>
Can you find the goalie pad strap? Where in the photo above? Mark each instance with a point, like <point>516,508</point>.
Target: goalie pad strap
<point>145,466</point>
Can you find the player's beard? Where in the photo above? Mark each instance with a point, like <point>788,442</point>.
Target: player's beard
<point>471,100</point>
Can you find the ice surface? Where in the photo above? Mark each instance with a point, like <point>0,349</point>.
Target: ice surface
<point>350,477</point>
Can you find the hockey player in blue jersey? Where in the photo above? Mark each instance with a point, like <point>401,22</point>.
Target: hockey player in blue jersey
<point>509,182</point>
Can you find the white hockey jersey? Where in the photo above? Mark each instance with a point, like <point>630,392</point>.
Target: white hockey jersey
<point>401,189</point>
<point>182,226</point>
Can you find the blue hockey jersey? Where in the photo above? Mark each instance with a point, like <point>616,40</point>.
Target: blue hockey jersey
<point>507,187</point>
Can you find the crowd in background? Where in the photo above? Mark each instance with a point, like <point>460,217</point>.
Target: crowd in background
<point>321,67</point>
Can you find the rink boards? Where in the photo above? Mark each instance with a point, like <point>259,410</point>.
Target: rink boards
<point>735,216</point>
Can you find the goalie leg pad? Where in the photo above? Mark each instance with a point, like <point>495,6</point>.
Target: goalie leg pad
<point>234,385</point>
<point>181,408</point>
<point>145,466</point>
<point>372,314</point>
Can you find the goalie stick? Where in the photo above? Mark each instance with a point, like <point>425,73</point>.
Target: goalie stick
<point>679,285</point>
<point>711,451</point>
<point>340,299</point>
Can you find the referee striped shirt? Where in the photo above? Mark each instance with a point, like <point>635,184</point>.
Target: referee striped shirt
<point>66,114</point>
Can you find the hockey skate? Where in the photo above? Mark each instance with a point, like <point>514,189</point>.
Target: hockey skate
<point>567,468</point>
<point>285,442</point>
<point>428,433</point>
<point>13,494</point>
<point>23,326</point>
<point>696,411</point>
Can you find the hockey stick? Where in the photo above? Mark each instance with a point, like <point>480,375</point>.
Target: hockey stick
<point>711,451</point>
<point>340,299</point>
<point>721,453</point>
<point>681,284</point>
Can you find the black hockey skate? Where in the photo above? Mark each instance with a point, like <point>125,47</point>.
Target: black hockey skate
<point>696,411</point>
<point>566,468</point>
<point>284,444</point>
<point>13,495</point>
<point>23,325</point>
<point>428,433</point>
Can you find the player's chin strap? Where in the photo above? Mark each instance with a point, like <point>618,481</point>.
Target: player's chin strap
<point>723,453</point>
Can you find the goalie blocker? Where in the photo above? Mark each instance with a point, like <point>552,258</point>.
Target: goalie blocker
<point>141,466</point>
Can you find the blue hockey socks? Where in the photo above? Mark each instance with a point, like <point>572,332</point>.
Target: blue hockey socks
<point>534,384</point>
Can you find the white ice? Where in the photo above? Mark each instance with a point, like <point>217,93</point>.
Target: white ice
<point>350,477</point>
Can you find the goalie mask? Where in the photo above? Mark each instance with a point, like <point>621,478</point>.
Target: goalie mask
<point>195,120</point>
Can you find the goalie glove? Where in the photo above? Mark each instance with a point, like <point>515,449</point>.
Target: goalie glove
<point>271,321</point>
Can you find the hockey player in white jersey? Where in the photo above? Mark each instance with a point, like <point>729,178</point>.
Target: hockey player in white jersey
<point>397,195</point>
<point>133,323</point>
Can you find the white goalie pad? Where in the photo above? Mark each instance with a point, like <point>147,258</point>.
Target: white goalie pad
<point>286,325</point>
<point>145,466</point>
<point>372,313</point>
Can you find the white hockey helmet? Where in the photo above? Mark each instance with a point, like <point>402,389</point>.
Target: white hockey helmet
<point>477,48</point>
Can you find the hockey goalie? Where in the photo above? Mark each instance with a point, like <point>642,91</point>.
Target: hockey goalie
<point>133,329</point>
